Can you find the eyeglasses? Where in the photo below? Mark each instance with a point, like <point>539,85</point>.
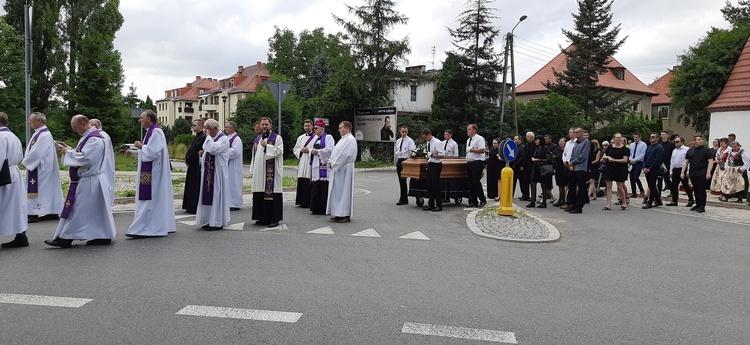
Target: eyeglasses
<point>315,128</point>
<point>677,141</point>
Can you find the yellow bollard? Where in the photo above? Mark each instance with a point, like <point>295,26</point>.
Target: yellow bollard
<point>506,192</point>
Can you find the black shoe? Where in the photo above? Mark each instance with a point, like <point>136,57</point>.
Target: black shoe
<point>437,209</point>
<point>647,206</point>
<point>20,241</point>
<point>672,204</point>
<point>33,219</point>
<point>569,209</point>
<point>402,203</point>
<point>428,208</point>
<point>471,204</point>
<point>694,208</point>
<point>101,242</point>
<point>557,204</point>
<point>205,227</point>
<point>260,222</point>
<point>59,242</point>
<point>542,205</point>
<point>576,210</point>
<point>234,208</point>
<point>272,224</point>
<point>700,209</point>
<point>689,204</point>
<point>214,228</point>
<point>484,203</point>
<point>531,205</point>
<point>658,203</point>
<point>525,198</point>
<point>50,217</point>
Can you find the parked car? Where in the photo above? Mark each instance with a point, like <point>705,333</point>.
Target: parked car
<point>128,150</point>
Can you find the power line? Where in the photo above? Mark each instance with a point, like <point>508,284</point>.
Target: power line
<point>536,51</point>
<point>551,50</point>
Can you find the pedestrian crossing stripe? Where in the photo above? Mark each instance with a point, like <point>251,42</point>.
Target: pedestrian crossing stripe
<point>183,216</point>
<point>367,233</point>
<point>278,227</point>
<point>189,222</point>
<point>416,235</point>
<point>237,226</point>
<point>322,231</point>
<point>47,301</point>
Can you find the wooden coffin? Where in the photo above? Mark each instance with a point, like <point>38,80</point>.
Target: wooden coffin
<point>452,168</point>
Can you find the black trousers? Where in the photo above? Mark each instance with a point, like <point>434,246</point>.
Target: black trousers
<point>474,170</point>
<point>675,186</point>
<point>655,195</point>
<point>580,182</point>
<point>665,178</point>
<point>700,183</point>
<point>433,184</point>
<point>303,192</point>
<point>524,179</point>
<point>635,177</point>
<point>403,197</point>
<point>570,198</point>
<point>318,197</point>
<point>517,182</point>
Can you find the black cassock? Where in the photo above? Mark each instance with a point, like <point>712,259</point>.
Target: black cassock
<point>193,177</point>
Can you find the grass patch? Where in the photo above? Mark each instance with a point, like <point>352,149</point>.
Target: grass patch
<point>289,181</point>
<point>358,164</point>
<point>125,193</point>
<point>177,151</point>
<point>126,163</point>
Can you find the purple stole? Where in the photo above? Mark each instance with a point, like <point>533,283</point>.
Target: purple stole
<point>270,169</point>
<point>231,141</point>
<point>208,176</point>
<point>32,178</point>
<point>73,172</point>
<point>323,170</point>
<point>144,186</point>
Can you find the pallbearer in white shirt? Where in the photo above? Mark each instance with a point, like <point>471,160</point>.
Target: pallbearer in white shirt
<point>154,197</point>
<point>302,151</point>
<point>434,168</point>
<point>43,187</point>
<point>235,166</point>
<point>87,213</point>
<point>213,201</point>
<point>449,145</point>
<point>12,188</point>
<point>401,152</point>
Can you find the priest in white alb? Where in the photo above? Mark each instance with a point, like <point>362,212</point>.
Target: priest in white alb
<point>341,170</point>
<point>154,196</point>
<point>235,166</point>
<point>13,210</point>
<point>43,187</point>
<point>320,153</point>
<point>109,164</point>
<point>302,152</point>
<point>87,213</point>
<point>268,169</point>
<point>213,201</point>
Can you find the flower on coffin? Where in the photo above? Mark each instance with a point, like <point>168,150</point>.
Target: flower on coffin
<point>419,152</point>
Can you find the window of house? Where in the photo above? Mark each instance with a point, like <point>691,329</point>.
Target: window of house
<point>413,93</point>
<point>663,111</point>
<point>636,106</point>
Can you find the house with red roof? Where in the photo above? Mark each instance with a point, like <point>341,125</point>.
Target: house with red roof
<point>730,112</point>
<point>183,101</point>
<point>661,105</point>
<point>617,78</point>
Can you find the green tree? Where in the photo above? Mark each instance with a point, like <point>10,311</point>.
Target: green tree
<point>474,39</point>
<point>12,78</point>
<point>552,115</point>
<point>260,104</point>
<point>737,15</point>
<point>451,95</point>
<point>593,42</point>
<point>376,57</point>
<point>148,103</point>
<point>131,100</point>
<point>182,126</point>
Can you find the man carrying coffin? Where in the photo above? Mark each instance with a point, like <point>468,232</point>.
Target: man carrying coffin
<point>234,166</point>
<point>43,187</point>
<point>12,189</point>
<point>302,151</point>
<point>154,198</point>
<point>341,169</point>
<point>268,166</point>
<point>87,213</point>
<point>319,155</point>
<point>213,203</point>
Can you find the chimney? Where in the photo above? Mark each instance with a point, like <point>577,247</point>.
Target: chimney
<point>240,69</point>
<point>197,77</point>
<point>259,64</point>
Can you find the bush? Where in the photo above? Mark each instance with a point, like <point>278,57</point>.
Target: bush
<point>177,151</point>
<point>184,139</point>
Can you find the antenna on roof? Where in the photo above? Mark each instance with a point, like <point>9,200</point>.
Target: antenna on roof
<point>433,57</point>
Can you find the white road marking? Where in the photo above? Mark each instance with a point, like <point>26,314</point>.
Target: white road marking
<point>279,227</point>
<point>416,235</point>
<point>238,226</point>
<point>190,222</point>
<point>367,233</point>
<point>322,231</point>
<point>236,313</point>
<point>460,332</point>
<point>48,301</point>
<point>184,216</point>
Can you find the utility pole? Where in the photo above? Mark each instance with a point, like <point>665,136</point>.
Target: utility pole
<point>27,64</point>
<point>509,49</point>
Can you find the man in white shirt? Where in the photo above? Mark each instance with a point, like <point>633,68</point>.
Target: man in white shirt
<point>401,151</point>
<point>567,152</point>
<point>450,147</point>
<point>234,166</point>
<point>302,151</point>
<point>637,152</point>
<point>676,162</point>
<point>434,168</point>
<point>475,156</point>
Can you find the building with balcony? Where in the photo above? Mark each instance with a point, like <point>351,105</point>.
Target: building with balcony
<point>183,102</point>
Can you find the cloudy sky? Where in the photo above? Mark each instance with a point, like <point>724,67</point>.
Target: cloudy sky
<point>166,43</point>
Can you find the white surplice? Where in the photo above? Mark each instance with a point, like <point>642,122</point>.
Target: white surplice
<point>42,156</point>
<point>303,168</point>
<point>216,214</point>
<point>155,217</point>
<point>260,156</point>
<point>109,164</point>
<point>91,215</point>
<point>341,175</point>
<point>321,158</point>
<point>235,171</point>
<point>13,212</point>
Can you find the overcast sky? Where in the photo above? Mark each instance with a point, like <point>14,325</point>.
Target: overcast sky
<point>166,43</point>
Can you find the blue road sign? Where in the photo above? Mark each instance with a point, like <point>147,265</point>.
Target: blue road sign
<point>510,150</point>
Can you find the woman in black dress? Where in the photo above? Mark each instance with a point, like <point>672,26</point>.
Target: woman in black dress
<point>493,170</point>
<point>540,157</point>
<point>616,158</point>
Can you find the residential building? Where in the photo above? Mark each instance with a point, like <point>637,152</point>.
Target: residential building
<point>416,99</point>
<point>661,106</point>
<point>183,101</point>
<point>730,112</point>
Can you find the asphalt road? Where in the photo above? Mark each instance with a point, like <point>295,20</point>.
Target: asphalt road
<point>615,277</point>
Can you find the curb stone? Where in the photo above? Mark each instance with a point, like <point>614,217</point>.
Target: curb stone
<point>554,234</point>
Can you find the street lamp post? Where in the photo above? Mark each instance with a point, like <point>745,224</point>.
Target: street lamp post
<point>224,98</point>
<point>509,47</point>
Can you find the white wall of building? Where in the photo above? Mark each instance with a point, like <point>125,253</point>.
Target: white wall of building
<point>737,122</point>
<point>423,104</point>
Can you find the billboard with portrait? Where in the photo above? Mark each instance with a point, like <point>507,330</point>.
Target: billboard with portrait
<point>376,124</point>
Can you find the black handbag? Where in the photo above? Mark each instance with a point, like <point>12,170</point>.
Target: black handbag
<point>545,169</point>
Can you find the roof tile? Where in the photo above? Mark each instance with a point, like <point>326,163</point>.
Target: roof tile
<point>736,93</point>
